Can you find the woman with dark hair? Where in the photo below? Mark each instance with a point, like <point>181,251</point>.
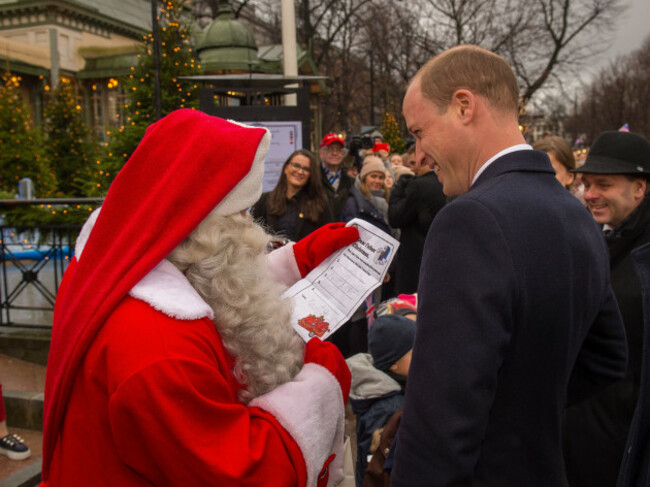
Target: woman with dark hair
<point>563,161</point>
<point>297,205</point>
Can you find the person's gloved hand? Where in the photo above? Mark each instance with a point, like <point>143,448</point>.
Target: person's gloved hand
<point>327,355</point>
<point>318,245</point>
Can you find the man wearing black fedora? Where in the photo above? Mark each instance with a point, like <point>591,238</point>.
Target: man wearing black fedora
<point>615,177</point>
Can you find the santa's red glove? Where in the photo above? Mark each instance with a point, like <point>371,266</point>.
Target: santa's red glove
<point>320,244</point>
<point>327,355</point>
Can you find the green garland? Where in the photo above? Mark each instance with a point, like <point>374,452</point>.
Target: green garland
<point>46,215</point>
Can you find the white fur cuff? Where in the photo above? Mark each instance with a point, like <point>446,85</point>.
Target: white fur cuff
<point>311,409</point>
<point>282,265</point>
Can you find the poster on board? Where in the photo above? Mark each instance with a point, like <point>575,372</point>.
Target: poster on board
<point>286,137</point>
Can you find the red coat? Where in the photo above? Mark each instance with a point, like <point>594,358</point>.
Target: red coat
<point>155,403</point>
<point>138,388</point>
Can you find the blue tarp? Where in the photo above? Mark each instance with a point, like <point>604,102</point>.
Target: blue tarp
<point>34,254</point>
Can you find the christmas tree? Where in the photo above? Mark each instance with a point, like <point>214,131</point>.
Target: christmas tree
<point>68,146</point>
<point>20,143</point>
<point>176,60</point>
<point>392,133</point>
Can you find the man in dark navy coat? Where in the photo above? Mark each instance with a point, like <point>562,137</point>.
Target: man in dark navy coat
<point>516,314</point>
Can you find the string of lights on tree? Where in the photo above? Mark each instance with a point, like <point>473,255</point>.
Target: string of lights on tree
<point>21,154</point>
<point>176,60</point>
<point>392,133</point>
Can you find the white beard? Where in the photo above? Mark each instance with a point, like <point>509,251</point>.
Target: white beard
<point>224,260</point>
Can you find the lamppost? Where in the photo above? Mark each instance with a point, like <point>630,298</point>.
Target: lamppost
<point>290,52</point>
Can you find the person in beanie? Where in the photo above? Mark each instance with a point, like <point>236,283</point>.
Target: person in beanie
<point>336,181</point>
<point>615,178</point>
<point>377,381</point>
<point>368,201</point>
<point>368,198</point>
<point>390,342</point>
<point>173,361</point>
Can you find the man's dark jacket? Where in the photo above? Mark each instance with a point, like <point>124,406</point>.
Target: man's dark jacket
<point>337,197</point>
<point>516,317</point>
<point>413,204</point>
<point>635,468</point>
<point>595,430</point>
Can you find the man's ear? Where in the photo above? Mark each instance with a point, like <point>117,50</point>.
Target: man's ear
<point>463,102</point>
<point>393,367</point>
<point>640,187</point>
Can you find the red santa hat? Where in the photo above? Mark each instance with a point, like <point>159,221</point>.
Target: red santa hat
<point>187,165</point>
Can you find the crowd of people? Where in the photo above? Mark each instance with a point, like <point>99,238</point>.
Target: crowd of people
<point>505,347</point>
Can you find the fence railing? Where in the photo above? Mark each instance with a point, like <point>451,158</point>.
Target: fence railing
<point>33,260</point>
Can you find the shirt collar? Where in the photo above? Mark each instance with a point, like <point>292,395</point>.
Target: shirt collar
<point>508,150</point>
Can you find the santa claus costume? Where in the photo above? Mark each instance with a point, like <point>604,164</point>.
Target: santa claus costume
<point>140,388</point>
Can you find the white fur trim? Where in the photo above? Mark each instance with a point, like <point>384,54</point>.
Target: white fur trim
<point>249,189</point>
<point>311,409</point>
<point>85,233</point>
<point>282,265</point>
<point>165,288</point>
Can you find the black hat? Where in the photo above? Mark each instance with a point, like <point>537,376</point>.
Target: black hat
<point>616,152</point>
<point>390,337</point>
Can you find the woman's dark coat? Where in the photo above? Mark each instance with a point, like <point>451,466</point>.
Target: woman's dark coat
<point>301,226</point>
<point>358,206</point>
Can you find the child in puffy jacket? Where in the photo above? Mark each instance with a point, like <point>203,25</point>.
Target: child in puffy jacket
<point>378,380</point>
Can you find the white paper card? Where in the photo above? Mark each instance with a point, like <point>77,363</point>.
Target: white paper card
<point>328,296</point>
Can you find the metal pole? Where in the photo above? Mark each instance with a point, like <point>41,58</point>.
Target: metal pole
<point>156,58</point>
<point>55,59</point>
<point>372,89</point>
<point>290,56</point>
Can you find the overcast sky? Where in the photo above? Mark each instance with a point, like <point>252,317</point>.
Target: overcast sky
<point>633,27</point>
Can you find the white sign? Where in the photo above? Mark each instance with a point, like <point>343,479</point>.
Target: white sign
<point>327,297</point>
<point>286,137</point>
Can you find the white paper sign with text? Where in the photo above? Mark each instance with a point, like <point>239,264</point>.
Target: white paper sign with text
<point>328,296</point>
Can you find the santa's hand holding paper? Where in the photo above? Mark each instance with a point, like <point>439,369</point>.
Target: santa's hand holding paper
<point>320,244</point>
<point>171,340</point>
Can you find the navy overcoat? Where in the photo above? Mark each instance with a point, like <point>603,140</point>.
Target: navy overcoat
<point>516,318</point>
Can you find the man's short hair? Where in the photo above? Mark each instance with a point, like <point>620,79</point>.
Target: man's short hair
<point>475,69</point>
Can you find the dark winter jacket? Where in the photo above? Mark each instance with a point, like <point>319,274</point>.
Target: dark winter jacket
<point>413,204</point>
<point>516,318</point>
<point>337,197</point>
<point>635,468</point>
<point>596,430</point>
<point>292,224</point>
<point>358,206</point>
<point>374,397</point>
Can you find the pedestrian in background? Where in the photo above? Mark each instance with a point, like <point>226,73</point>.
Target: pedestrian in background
<point>615,177</point>
<point>11,445</point>
<point>563,161</point>
<point>336,181</point>
<point>297,205</point>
